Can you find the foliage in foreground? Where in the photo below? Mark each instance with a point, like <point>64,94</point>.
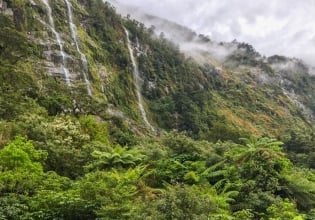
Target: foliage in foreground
<point>171,177</point>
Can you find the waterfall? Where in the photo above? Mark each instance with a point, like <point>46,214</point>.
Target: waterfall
<point>137,82</point>
<point>58,39</point>
<point>74,35</point>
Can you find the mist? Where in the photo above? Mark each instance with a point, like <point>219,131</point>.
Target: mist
<point>283,27</point>
<point>191,43</point>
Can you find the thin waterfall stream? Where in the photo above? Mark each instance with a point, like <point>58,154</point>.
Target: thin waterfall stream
<point>58,39</point>
<point>74,35</point>
<point>137,82</point>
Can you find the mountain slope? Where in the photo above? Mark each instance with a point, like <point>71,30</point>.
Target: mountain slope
<point>273,84</point>
<point>219,89</point>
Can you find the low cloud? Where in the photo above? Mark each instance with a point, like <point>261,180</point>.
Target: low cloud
<point>284,27</point>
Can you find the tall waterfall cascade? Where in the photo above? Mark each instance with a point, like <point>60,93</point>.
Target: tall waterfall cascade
<point>58,40</point>
<point>74,35</point>
<point>137,82</point>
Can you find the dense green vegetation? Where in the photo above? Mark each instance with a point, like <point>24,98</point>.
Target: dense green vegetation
<point>228,146</point>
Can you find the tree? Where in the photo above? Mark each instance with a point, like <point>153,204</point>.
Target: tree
<point>284,210</point>
<point>20,154</point>
<point>186,202</point>
<point>261,164</point>
<point>112,192</point>
<point>299,186</point>
<point>119,157</point>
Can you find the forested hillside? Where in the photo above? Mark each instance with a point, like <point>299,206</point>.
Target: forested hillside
<point>104,118</point>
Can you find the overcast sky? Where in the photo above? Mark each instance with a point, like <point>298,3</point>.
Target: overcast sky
<point>285,27</point>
